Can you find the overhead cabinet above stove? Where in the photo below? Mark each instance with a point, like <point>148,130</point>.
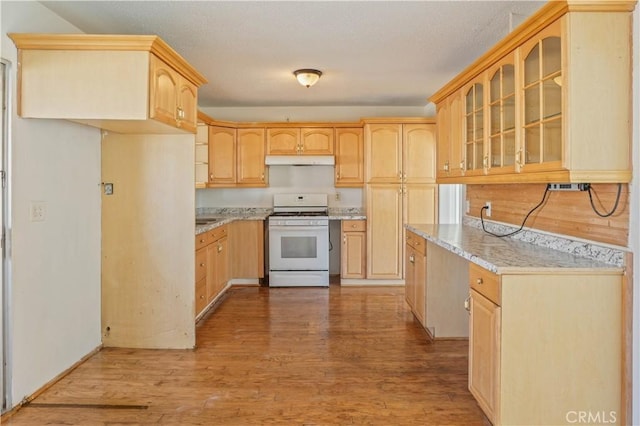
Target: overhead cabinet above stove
<point>127,84</point>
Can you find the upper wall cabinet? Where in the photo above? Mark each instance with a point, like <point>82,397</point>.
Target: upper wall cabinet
<point>550,103</point>
<point>300,141</point>
<point>127,84</point>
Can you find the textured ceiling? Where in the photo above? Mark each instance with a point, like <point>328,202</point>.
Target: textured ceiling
<point>372,53</point>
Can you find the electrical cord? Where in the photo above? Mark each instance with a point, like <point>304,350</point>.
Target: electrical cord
<point>544,199</point>
<point>615,206</point>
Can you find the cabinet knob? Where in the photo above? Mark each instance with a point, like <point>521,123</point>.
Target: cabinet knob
<point>446,166</point>
<point>219,249</point>
<point>201,296</point>
<point>344,239</point>
<point>202,240</point>
<point>262,177</point>
<point>202,264</point>
<point>338,175</point>
<point>412,259</point>
<point>354,226</point>
<point>479,281</point>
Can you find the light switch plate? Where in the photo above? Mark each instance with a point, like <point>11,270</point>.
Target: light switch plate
<point>37,211</point>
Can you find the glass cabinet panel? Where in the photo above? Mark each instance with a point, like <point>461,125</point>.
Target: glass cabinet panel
<point>502,117</point>
<point>474,114</point>
<point>543,102</point>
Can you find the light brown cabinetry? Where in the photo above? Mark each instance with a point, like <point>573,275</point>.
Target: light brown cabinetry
<point>172,98</point>
<point>127,84</point>
<point>246,248</point>
<point>532,333</point>
<point>212,270</point>
<point>415,275</point>
<point>533,105</point>
<point>400,175</point>
<point>250,167</point>
<point>300,141</point>
<point>222,156</point>
<point>354,249</point>
<point>235,156</point>
<point>349,148</point>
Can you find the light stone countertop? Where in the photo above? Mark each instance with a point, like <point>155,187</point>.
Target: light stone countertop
<point>346,213</point>
<point>507,255</point>
<point>227,215</point>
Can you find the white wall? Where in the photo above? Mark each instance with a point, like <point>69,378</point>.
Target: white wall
<point>55,301</point>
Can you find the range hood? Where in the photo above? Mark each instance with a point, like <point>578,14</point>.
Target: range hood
<point>299,160</point>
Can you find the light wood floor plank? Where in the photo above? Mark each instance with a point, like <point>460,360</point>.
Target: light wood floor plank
<point>290,356</point>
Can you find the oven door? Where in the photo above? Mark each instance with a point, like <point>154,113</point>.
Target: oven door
<point>298,248</point>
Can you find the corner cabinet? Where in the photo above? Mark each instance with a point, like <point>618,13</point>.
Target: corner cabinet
<point>122,83</point>
<point>536,108</point>
<point>532,333</point>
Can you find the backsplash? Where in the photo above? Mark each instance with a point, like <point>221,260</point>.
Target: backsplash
<point>283,179</point>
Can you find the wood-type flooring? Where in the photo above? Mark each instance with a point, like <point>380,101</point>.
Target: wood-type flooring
<point>280,356</point>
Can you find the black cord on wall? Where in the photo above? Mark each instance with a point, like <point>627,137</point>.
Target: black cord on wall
<point>544,199</point>
<point>615,205</point>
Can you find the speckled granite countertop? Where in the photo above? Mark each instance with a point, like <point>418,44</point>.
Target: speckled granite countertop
<point>507,255</point>
<point>222,216</point>
<point>346,213</point>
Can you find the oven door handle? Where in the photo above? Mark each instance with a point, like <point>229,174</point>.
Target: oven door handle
<point>297,228</point>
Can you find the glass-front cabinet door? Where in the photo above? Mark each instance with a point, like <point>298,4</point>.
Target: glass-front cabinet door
<point>502,117</point>
<point>542,147</point>
<point>474,153</point>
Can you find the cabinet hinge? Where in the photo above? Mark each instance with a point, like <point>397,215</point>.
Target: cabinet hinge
<point>3,177</point>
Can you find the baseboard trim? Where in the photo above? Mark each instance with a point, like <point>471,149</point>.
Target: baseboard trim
<point>367,282</point>
<point>27,399</point>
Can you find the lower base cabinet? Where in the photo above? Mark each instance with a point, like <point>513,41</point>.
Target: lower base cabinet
<point>546,345</point>
<point>353,262</point>
<point>212,266</point>
<point>415,275</point>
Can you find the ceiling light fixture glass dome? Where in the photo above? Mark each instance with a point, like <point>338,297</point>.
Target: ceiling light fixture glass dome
<point>307,77</point>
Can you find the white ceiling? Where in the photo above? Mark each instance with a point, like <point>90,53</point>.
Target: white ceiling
<point>372,53</point>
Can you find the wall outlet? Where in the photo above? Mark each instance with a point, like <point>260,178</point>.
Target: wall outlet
<point>487,211</point>
<point>37,211</point>
<point>467,206</point>
<point>337,196</point>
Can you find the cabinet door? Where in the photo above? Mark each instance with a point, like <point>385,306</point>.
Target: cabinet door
<point>222,156</point>
<point>420,203</point>
<point>419,153</point>
<point>316,141</point>
<point>246,249</point>
<point>187,112</point>
<point>409,277</point>
<point>222,264</point>
<point>384,231</point>
<point>456,131</point>
<point>474,137</point>
<point>284,141</point>
<point>419,279</point>
<point>443,159</point>
<point>484,354</point>
<point>163,91</point>
<point>501,149</point>
<point>542,147</point>
<point>349,158</point>
<point>353,255</point>
<point>251,152</point>
<point>383,153</point>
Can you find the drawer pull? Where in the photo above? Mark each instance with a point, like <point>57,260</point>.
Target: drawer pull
<point>479,281</point>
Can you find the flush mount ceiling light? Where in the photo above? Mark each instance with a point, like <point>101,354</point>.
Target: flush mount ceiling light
<point>307,77</point>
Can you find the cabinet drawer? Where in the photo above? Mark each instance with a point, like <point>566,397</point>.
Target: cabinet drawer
<point>354,225</point>
<point>417,242</point>
<point>202,240</point>
<point>201,264</point>
<point>201,295</point>
<point>485,283</point>
<point>217,233</point>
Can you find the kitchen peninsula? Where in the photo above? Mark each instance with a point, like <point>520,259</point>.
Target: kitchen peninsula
<point>544,324</point>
